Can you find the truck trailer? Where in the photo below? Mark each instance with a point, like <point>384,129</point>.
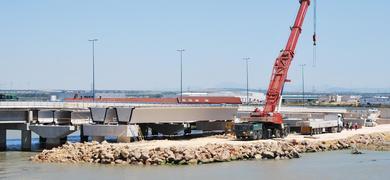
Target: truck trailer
<point>329,124</point>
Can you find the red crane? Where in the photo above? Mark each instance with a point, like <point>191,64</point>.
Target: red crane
<point>270,120</point>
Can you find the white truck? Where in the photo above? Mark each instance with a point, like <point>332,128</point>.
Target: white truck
<point>331,123</point>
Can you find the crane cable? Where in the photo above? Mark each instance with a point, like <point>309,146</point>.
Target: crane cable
<point>315,34</point>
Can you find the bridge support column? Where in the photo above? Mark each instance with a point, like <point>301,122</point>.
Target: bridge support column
<point>123,139</point>
<point>98,138</point>
<point>3,139</point>
<point>26,140</point>
<point>83,138</point>
<point>54,142</point>
<point>63,140</point>
<point>42,142</point>
<point>30,117</point>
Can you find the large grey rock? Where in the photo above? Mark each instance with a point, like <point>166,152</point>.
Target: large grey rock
<point>355,150</point>
<point>258,156</point>
<point>268,154</point>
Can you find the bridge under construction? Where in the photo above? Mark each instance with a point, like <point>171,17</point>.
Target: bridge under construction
<point>54,121</point>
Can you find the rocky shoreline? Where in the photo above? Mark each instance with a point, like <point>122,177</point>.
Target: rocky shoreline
<point>109,153</point>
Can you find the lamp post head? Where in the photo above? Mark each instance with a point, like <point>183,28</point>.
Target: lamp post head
<point>93,40</point>
<point>181,50</point>
<point>246,58</point>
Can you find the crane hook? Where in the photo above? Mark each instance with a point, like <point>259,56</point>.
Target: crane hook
<point>315,33</point>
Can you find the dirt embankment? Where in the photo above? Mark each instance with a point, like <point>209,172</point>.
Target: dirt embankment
<point>204,150</point>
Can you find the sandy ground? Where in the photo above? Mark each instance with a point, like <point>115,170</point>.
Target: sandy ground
<point>344,133</point>
<point>196,142</point>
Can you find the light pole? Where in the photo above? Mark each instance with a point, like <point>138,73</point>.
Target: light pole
<point>303,83</point>
<point>246,59</point>
<point>181,73</point>
<point>93,67</point>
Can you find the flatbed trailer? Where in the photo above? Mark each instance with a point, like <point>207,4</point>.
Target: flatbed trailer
<point>319,126</point>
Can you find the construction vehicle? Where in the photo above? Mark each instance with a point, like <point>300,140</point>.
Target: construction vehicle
<point>331,123</point>
<point>249,131</point>
<point>269,119</point>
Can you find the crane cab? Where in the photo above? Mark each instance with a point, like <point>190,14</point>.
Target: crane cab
<point>249,131</point>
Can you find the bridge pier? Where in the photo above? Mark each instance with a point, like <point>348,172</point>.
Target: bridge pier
<point>98,138</point>
<point>42,142</point>
<point>54,142</point>
<point>83,138</point>
<point>3,139</point>
<point>26,140</point>
<point>123,139</point>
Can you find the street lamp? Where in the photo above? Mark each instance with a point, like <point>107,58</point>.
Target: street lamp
<point>246,59</point>
<point>303,83</point>
<point>181,73</point>
<point>93,67</point>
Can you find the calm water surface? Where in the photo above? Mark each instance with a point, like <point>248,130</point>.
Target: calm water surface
<point>326,165</point>
<point>329,165</point>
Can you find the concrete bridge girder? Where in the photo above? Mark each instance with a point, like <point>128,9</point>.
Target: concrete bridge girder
<point>13,116</point>
<point>54,116</point>
<point>111,115</point>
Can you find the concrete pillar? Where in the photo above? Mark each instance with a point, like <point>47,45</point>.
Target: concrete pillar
<point>42,142</point>
<point>82,137</point>
<point>53,142</point>
<point>123,139</point>
<point>63,140</point>
<point>98,138</point>
<point>3,139</point>
<point>30,116</point>
<point>35,115</point>
<point>26,140</point>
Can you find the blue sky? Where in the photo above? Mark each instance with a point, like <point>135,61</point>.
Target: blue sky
<point>44,44</point>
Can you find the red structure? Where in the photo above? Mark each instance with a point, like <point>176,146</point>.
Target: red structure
<point>268,123</point>
<point>280,70</point>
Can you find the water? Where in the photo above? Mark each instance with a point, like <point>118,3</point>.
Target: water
<point>327,165</point>
<point>13,140</point>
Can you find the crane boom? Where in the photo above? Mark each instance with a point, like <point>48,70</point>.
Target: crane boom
<point>268,123</point>
<point>281,67</point>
